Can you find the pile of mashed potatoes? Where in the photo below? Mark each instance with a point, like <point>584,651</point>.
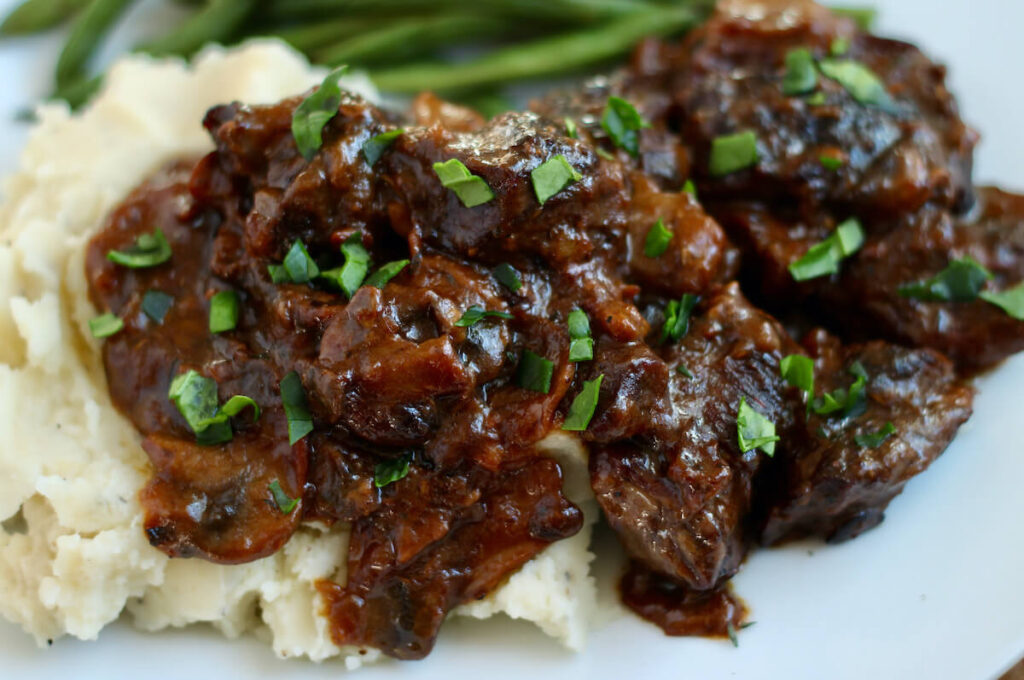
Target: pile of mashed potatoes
<point>73,554</point>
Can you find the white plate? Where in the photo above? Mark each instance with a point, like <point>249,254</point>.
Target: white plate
<point>934,592</point>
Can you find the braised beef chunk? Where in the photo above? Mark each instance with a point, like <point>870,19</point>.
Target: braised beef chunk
<point>878,106</point>
<point>669,473</point>
<point>974,333</point>
<point>837,483</point>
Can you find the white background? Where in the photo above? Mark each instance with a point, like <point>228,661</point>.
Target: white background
<point>935,592</point>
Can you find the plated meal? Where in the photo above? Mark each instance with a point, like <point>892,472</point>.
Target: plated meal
<point>360,368</point>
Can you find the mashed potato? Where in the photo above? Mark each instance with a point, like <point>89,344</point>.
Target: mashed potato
<point>72,551</point>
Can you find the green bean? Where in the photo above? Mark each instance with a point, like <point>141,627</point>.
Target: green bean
<point>218,21</point>
<point>544,57</point>
<point>79,91</point>
<point>548,10</point>
<point>411,35</point>
<point>33,16</point>
<point>311,36</point>
<point>89,29</point>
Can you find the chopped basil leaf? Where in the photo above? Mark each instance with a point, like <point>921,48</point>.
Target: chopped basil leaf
<point>314,113</point>
<point>298,266</point>
<point>149,250</point>
<point>581,345</point>
<point>551,176</point>
<point>732,153</point>
<point>753,430</point>
<point>822,259</point>
<point>864,17</point>
<point>570,128</point>
<point>849,403</point>
<point>658,238</point>
<point>477,313</point>
<point>535,372</point>
<point>798,371</point>
<point>508,276</point>
<point>831,162</point>
<point>223,311</point>
<point>690,188</point>
<point>839,47</point>
<point>156,304</point>
<point>1010,300</point>
<point>801,75</point>
<point>860,81</point>
<point>105,325</point>
<point>873,440</point>
<point>285,503</point>
<point>677,317</point>
<point>296,408</point>
<point>623,122</point>
<point>681,369</point>
<point>471,189</point>
<point>390,471</point>
<point>583,406</point>
<point>961,281</point>
<point>375,146</point>
<point>388,271</point>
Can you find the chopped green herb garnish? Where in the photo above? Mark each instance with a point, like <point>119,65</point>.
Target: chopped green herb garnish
<point>375,146</point>
<point>570,128</point>
<point>223,311</point>
<point>105,325</point>
<point>732,153</point>
<point>849,403</point>
<point>477,313</point>
<point>156,304</point>
<point>1010,300</point>
<point>296,408</point>
<point>753,430</point>
<point>798,371</point>
<point>677,318</point>
<point>583,406</point>
<point>149,250</point>
<point>816,99</point>
<point>801,75</point>
<point>471,189</point>
<point>860,81</point>
<point>314,113</point>
<point>388,271</point>
<point>822,259</point>
<point>507,276</point>
<point>581,345</point>
<point>551,176</point>
<point>357,263</point>
<point>731,632</point>
<point>535,372</point>
<point>285,503</point>
<point>839,47</point>
<point>196,398</point>
<point>832,163</point>
<point>961,281</point>
<point>604,154</point>
<point>690,188</point>
<point>390,471</point>
<point>658,238</point>
<point>298,266</point>
<point>873,440</point>
<point>681,369</point>
<point>623,123</point>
